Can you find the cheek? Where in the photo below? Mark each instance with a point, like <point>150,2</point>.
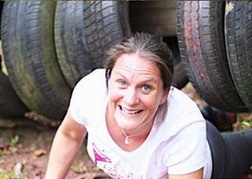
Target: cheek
<point>114,95</point>
<point>151,102</point>
<point>155,100</point>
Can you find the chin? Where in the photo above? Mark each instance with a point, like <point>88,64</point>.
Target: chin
<point>125,123</point>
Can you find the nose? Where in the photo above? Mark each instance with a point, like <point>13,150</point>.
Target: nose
<point>131,97</point>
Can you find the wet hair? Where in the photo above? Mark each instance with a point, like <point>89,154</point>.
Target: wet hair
<point>146,46</point>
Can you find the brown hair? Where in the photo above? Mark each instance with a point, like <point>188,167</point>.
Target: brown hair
<point>147,46</point>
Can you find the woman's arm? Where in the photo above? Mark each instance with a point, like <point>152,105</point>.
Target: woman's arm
<point>194,175</point>
<point>66,145</point>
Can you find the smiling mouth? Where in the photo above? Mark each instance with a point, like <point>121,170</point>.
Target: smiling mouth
<point>129,111</point>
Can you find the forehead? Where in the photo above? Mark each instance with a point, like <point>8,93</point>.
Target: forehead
<point>136,69</point>
<point>135,62</point>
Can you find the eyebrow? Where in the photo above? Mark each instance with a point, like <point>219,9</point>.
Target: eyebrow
<point>152,79</point>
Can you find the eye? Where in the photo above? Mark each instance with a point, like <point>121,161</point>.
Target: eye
<point>146,88</point>
<point>121,83</point>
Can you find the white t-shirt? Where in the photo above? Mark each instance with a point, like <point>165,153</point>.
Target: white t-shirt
<point>176,146</point>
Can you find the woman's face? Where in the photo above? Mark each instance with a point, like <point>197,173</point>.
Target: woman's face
<point>135,91</point>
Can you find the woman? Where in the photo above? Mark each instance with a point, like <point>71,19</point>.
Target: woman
<point>138,125</point>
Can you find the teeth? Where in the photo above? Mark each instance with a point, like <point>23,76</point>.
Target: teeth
<point>128,112</point>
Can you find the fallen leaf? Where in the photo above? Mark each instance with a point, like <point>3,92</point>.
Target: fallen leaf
<point>39,153</point>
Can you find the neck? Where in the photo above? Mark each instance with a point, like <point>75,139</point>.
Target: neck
<point>143,131</point>
<point>127,133</point>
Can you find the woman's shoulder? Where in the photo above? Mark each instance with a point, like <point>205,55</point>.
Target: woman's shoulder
<point>94,82</point>
<point>179,101</point>
<point>178,95</point>
<point>183,117</point>
<point>91,88</point>
<point>94,78</point>
<point>182,110</point>
<point>89,96</point>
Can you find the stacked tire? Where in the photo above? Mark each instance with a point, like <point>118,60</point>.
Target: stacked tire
<point>11,105</point>
<point>30,57</point>
<point>238,36</point>
<point>49,46</point>
<point>216,52</point>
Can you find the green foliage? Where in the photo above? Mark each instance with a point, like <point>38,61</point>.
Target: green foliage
<point>245,123</point>
<point>13,144</point>
<point>14,140</point>
<point>11,175</point>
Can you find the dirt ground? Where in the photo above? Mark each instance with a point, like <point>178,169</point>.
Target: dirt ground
<point>24,154</point>
<point>25,146</point>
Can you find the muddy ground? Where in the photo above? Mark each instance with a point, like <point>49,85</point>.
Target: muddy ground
<point>25,144</point>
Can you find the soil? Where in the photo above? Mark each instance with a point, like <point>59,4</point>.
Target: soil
<point>24,154</point>
<point>25,145</point>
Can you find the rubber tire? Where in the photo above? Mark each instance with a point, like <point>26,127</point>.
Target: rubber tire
<point>30,57</point>
<point>10,104</point>
<point>1,9</point>
<point>180,78</point>
<point>106,23</point>
<point>155,17</point>
<point>202,48</point>
<point>70,41</point>
<point>238,25</point>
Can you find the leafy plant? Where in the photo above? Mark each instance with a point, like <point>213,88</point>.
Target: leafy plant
<point>245,121</point>
<point>13,143</point>
<point>11,175</point>
<point>14,140</point>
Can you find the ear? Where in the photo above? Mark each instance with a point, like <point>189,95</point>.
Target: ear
<point>164,97</point>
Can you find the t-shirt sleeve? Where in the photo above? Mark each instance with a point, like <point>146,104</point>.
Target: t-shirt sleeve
<point>87,96</point>
<point>189,149</point>
<point>75,103</point>
<point>186,147</point>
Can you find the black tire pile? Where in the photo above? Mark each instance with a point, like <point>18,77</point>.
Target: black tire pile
<point>49,46</point>
<point>215,38</point>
